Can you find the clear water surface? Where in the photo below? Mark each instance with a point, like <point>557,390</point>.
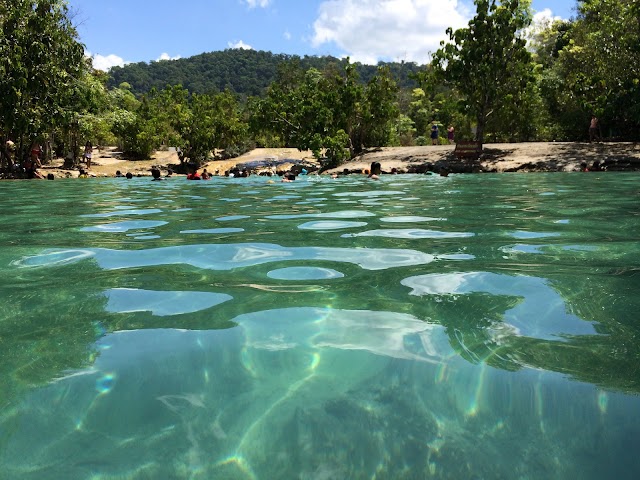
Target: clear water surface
<point>477,326</point>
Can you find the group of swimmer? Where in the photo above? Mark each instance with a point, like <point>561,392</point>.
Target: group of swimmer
<point>156,174</point>
<point>595,167</point>
<point>375,171</point>
<point>194,175</point>
<point>289,176</point>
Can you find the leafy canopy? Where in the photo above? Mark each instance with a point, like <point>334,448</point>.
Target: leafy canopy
<point>487,62</point>
<point>40,61</point>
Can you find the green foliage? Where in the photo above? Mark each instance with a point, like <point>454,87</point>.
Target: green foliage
<point>40,61</point>
<point>89,108</point>
<point>198,124</point>
<point>487,62</point>
<point>327,112</point>
<point>404,132</point>
<point>600,65</point>
<point>244,72</point>
<point>420,110</point>
<point>379,110</point>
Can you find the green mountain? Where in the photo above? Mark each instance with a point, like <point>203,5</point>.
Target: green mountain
<point>245,72</point>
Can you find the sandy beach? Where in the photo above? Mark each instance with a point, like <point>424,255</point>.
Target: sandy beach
<point>498,157</point>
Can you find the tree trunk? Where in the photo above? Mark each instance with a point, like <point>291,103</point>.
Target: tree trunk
<point>480,128</point>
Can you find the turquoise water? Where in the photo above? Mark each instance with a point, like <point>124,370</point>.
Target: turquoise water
<point>478,326</point>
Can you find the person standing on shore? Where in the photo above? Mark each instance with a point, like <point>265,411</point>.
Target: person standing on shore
<point>593,129</point>
<point>434,133</point>
<point>88,154</point>
<point>451,134</point>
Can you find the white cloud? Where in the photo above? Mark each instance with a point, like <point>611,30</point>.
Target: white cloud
<point>257,3</point>
<point>541,21</point>
<point>545,16</point>
<point>240,44</point>
<point>373,30</point>
<point>166,56</point>
<point>287,35</point>
<point>101,62</point>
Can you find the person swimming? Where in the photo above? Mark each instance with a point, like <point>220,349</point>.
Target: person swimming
<point>376,170</point>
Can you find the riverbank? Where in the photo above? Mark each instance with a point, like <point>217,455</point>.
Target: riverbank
<point>496,157</point>
<point>504,157</point>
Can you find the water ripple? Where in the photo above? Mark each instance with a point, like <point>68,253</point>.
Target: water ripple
<point>118,227</point>
<point>304,273</point>
<point>409,233</point>
<point>541,313</point>
<point>339,214</point>
<point>126,300</point>
<point>147,211</point>
<point>330,225</point>
<point>231,256</point>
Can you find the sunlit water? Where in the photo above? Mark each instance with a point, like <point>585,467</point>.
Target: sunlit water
<point>478,326</point>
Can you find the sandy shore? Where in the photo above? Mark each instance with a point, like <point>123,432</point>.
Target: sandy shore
<point>108,161</point>
<point>499,157</point>
<point>505,157</point>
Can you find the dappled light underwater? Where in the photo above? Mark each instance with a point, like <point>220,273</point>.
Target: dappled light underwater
<point>479,326</point>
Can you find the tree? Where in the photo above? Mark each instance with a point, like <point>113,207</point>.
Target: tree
<point>197,123</point>
<point>330,113</point>
<point>230,128</point>
<point>420,110</point>
<point>84,115</point>
<point>138,124</point>
<point>487,63</point>
<point>40,60</point>
<point>379,111</point>
<point>297,109</point>
<point>565,116</point>
<point>600,64</point>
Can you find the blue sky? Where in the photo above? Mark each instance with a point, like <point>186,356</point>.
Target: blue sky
<point>119,31</point>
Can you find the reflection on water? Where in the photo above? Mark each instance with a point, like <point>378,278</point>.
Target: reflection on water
<point>410,233</point>
<point>125,300</point>
<point>228,257</point>
<point>539,313</point>
<point>247,330</point>
<point>304,273</point>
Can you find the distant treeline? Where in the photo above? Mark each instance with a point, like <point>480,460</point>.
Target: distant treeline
<point>244,72</point>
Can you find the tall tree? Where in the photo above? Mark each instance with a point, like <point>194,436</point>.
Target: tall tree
<point>378,111</point>
<point>487,62</point>
<point>601,63</point>
<point>40,59</point>
<point>298,108</point>
<point>330,113</point>
<point>565,114</point>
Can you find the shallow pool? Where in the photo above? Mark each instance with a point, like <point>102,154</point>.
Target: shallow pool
<point>478,326</point>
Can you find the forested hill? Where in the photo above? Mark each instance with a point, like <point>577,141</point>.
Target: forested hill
<point>246,72</point>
